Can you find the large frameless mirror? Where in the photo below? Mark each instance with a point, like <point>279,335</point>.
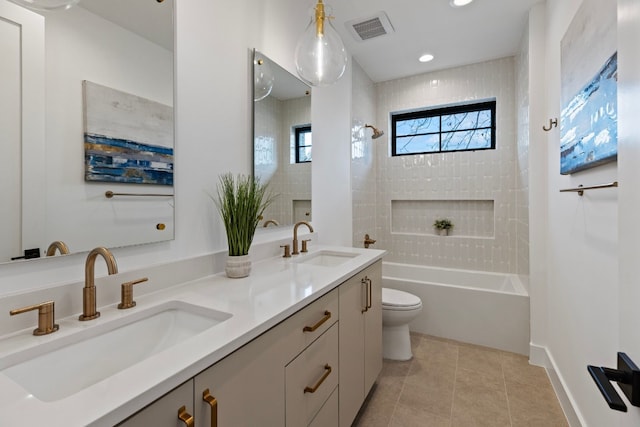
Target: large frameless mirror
<point>107,126</point>
<point>282,141</point>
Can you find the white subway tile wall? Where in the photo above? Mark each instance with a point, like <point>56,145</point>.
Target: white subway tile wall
<point>471,218</point>
<point>274,120</point>
<point>490,175</point>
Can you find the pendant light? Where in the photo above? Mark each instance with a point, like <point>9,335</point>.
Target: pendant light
<point>262,78</point>
<point>46,5</point>
<point>320,55</point>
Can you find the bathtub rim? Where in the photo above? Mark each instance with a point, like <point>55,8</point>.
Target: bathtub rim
<point>519,287</point>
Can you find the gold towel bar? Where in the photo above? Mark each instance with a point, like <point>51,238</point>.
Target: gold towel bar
<point>111,194</point>
<point>580,189</point>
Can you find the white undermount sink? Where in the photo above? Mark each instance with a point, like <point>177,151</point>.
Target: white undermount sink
<point>60,368</point>
<point>327,258</point>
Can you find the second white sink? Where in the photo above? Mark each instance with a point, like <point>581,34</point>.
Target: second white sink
<point>327,258</point>
<point>63,367</point>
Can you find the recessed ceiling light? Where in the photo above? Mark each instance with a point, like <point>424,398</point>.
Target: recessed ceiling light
<point>459,3</point>
<point>426,57</point>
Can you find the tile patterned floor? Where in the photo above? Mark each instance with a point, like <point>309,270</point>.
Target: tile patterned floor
<point>452,384</point>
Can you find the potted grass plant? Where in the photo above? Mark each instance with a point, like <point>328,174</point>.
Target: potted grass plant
<point>442,226</point>
<point>241,201</point>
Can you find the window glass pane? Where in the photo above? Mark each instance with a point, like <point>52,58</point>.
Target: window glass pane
<point>304,154</point>
<point>419,125</point>
<point>468,120</point>
<point>466,140</point>
<point>417,144</point>
<point>305,139</point>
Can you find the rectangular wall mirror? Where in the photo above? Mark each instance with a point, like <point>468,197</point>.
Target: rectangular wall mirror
<point>126,47</point>
<point>282,143</point>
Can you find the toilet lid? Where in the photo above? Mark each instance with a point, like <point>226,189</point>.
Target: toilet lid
<point>396,298</point>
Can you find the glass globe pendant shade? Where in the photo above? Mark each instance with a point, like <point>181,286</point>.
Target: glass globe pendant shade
<point>262,78</point>
<point>46,5</point>
<point>320,55</point>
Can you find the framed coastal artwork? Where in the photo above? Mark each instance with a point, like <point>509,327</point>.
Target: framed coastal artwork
<point>589,67</point>
<point>127,138</point>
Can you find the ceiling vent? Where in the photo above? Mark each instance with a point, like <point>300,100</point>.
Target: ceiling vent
<point>371,27</point>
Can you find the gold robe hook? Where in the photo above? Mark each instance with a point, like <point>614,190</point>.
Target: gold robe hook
<point>552,123</point>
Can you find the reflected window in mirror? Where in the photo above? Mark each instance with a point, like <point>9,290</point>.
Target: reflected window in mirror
<point>279,118</point>
<point>303,144</point>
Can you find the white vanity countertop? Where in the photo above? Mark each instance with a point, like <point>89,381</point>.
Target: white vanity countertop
<point>276,288</point>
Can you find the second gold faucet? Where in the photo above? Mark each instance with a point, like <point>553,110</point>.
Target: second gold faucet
<point>89,291</point>
<point>295,236</point>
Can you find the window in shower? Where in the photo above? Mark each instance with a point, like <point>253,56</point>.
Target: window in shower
<point>466,127</point>
<point>303,144</point>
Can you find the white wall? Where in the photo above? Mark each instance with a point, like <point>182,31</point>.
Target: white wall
<point>629,175</point>
<point>487,176</point>
<point>582,255</point>
<point>522,164</point>
<point>331,174</point>
<point>537,153</point>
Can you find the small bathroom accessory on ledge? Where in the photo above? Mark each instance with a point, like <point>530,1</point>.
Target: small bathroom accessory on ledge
<point>442,226</point>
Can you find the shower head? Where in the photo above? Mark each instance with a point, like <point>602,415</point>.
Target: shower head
<point>377,133</point>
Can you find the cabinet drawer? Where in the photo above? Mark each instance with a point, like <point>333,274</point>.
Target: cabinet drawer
<point>311,378</point>
<point>328,415</point>
<point>305,326</point>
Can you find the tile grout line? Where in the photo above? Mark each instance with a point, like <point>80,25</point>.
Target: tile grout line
<point>455,380</point>
<point>404,379</point>
<point>506,393</point>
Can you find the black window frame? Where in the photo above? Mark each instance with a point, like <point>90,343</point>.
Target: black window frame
<point>444,111</point>
<point>298,131</point>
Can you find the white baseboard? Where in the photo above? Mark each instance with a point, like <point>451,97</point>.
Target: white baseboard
<point>540,356</point>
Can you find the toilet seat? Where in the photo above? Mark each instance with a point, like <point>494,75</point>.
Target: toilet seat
<point>393,299</point>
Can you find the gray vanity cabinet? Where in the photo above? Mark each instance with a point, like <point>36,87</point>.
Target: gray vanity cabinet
<point>164,411</point>
<point>313,369</point>
<point>360,339</point>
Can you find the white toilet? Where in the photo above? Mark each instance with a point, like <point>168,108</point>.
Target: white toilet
<point>398,309</point>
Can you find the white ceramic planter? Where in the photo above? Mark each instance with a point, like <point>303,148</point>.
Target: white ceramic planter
<point>238,266</point>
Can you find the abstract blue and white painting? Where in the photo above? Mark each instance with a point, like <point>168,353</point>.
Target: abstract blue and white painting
<point>589,115</point>
<point>127,138</point>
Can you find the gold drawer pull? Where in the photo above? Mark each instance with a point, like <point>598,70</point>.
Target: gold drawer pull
<point>365,282</point>
<point>206,396</point>
<point>184,416</point>
<point>313,389</point>
<point>327,316</point>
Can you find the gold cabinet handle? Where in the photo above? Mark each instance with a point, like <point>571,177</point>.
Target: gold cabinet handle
<point>46,317</point>
<point>327,316</point>
<point>185,417</point>
<point>327,371</point>
<point>206,396</point>
<point>369,297</point>
<point>366,294</point>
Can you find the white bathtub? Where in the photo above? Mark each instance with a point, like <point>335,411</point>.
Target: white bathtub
<point>489,309</point>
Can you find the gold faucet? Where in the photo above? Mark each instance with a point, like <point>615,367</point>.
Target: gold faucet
<point>89,290</point>
<point>295,236</point>
<point>60,246</point>
<point>270,221</point>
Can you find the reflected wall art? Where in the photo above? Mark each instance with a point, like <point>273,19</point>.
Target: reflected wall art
<point>127,138</point>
